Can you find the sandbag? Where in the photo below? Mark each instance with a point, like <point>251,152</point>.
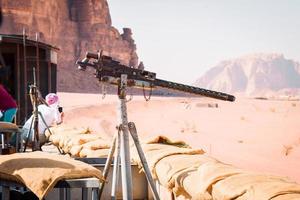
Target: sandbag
<point>170,165</point>
<point>237,185</point>
<point>198,183</point>
<point>99,153</point>
<point>58,137</point>
<point>155,152</point>
<point>79,140</point>
<point>40,171</point>
<point>287,197</point>
<point>75,150</point>
<point>61,133</point>
<point>147,148</point>
<point>96,144</point>
<point>268,190</point>
<point>178,179</point>
<point>161,139</point>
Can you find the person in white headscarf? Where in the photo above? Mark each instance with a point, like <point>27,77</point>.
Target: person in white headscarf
<point>50,115</point>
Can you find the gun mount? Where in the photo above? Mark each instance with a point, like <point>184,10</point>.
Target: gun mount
<point>109,70</point>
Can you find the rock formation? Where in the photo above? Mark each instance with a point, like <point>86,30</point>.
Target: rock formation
<point>74,26</point>
<point>257,74</point>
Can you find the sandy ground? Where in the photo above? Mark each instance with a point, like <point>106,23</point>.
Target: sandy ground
<point>259,135</point>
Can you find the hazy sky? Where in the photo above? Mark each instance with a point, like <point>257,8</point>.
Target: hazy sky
<point>181,39</point>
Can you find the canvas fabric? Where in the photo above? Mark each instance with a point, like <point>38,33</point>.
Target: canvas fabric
<point>155,152</point>
<point>236,185</point>
<point>40,171</point>
<point>167,167</point>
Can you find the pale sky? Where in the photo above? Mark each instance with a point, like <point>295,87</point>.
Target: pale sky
<point>181,39</point>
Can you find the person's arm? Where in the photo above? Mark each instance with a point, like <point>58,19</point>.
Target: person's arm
<point>58,115</point>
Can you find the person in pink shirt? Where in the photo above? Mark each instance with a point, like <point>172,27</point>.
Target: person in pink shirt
<point>8,105</point>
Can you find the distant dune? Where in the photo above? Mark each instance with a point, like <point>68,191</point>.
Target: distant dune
<point>254,75</point>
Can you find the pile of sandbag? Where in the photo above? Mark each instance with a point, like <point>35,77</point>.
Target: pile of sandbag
<point>79,142</point>
<point>187,173</point>
<point>190,174</point>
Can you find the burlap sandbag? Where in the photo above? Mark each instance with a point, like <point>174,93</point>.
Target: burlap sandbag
<point>165,140</point>
<point>79,140</point>
<point>178,179</point>
<point>198,183</point>
<point>75,150</point>
<point>170,165</point>
<point>155,152</point>
<point>239,184</point>
<point>89,153</point>
<point>40,171</point>
<point>96,144</point>
<point>60,129</point>
<point>60,134</point>
<point>73,136</point>
<point>91,146</point>
<point>99,153</point>
<point>268,190</point>
<point>147,148</point>
<point>287,197</point>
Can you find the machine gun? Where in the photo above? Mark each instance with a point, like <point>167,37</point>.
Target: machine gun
<point>112,72</point>
<point>109,70</point>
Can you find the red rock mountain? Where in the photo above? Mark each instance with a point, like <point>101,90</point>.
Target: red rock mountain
<point>74,26</point>
<point>257,74</point>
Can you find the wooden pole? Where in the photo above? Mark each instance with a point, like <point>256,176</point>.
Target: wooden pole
<point>37,59</point>
<point>25,72</point>
<point>18,82</point>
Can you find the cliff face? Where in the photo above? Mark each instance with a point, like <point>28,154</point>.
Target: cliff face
<point>74,26</point>
<point>258,74</point>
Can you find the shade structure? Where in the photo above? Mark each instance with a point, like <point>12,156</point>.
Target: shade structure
<point>18,56</point>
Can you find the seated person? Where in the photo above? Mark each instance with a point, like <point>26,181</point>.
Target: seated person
<point>52,115</point>
<point>8,106</point>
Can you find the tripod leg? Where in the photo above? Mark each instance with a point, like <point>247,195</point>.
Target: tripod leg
<point>107,165</point>
<point>125,164</point>
<point>116,168</point>
<point>36,140</point>
<point>28,135</point>
<point>133,132</point>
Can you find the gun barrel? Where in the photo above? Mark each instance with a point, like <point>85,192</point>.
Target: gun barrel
<point>113,68</point>
<point>193,90</point>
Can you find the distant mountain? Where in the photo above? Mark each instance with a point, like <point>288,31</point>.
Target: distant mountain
<point>256,74</point>
<point>74,26</point>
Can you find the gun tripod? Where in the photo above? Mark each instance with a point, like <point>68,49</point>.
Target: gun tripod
<point>35,98</point>
<point>122,157</point>
<point>33,93</point>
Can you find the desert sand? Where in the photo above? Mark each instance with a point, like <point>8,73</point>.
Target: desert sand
<point>258,135</point>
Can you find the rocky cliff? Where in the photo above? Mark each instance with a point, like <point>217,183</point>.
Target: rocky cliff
<point>74,26</point>
<point>257,74</point>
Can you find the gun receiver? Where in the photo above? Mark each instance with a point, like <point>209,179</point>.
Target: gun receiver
<point>109,70</point>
